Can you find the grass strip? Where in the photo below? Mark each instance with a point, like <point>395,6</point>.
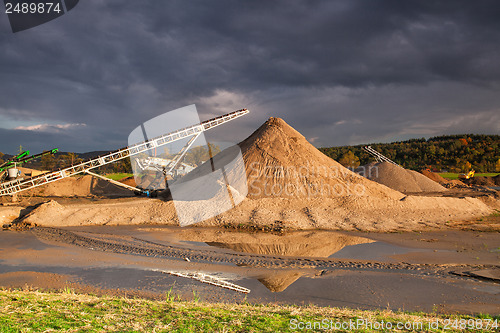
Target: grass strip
<point>28,311</point>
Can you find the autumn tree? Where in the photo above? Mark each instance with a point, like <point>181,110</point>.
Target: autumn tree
<point>445,152</point>
<point>349,160</point>
<point>465,166</point>
<point>48,162</point>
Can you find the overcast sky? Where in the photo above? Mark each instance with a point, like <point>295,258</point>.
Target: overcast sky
<point>340,72</point>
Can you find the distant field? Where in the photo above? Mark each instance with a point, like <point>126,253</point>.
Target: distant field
<point>451,175</point>
<point>118,176</point>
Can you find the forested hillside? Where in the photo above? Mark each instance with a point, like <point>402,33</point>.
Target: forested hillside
<point>453,153</point>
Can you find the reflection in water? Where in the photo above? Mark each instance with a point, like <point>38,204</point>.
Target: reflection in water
<point>373,251</point>
<point>277,281</point>
<point>302,243</point>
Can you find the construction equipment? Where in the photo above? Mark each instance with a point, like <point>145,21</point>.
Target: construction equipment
<point>378,156</point>
<point>25,159</point>
<point>468,175</point>
<point>194,130</point>
<point>9,168</point>
<point>11,161</point>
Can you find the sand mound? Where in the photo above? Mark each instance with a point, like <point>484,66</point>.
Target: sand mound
<point>399,179</point>
<point>290,182</point>
<point>127,211</point>
<point>9,214</point>
<point>130,181</point>
<point>51,208</point>
<point>447,183</point>
<point>279,162</point>
<point>434,177</point>
<point>484,181</point>
<point>82,186</point>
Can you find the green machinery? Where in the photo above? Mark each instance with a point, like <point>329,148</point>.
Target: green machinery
<point>22,158</point>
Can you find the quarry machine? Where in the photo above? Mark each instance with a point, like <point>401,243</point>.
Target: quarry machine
<point>9,167</point>
<point>467,175</point>
<point>20,184</point>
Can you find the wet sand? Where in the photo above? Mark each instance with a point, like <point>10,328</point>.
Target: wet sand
<point>410,271</point>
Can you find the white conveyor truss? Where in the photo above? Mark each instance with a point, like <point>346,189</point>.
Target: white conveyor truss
<point>19,185</point>
<point>378,156</point>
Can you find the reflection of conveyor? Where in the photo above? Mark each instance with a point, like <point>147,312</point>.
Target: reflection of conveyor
<point>208,279</point>
<point>190,131</point>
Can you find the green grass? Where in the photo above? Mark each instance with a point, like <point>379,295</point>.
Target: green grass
<point>118,176</point>
<point>26,311</point>
<point>452,175</point>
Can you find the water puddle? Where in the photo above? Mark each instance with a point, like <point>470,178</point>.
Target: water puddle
<point>28,258</point>
<point>193,243</point>
<point>376,251</point>
<point>320,244</point>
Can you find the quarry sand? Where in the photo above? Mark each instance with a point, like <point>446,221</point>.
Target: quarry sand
<point>290,183</point>
<point>398,178</point>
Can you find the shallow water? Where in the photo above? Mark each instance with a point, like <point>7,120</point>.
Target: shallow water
<point>137,275</point>
<point>374,251</point>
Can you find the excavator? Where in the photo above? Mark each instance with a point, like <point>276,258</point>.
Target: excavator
<point>468,175</point>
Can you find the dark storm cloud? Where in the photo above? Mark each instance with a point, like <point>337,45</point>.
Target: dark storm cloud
<point>340,71</point>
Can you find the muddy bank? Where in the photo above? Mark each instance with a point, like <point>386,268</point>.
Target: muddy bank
<point>414,271</point>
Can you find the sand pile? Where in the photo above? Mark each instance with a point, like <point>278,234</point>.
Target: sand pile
<point>398,178</point>
<point>280,163</point>
<point>130,181</point>
<point>434,176</point>
<point>125,211</point>
<point>82,186</point>
<point>447,183</point>
<point>484,181</point>
<point>291,183</point>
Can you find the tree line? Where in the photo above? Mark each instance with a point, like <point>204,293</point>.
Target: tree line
<point>452,153</point>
